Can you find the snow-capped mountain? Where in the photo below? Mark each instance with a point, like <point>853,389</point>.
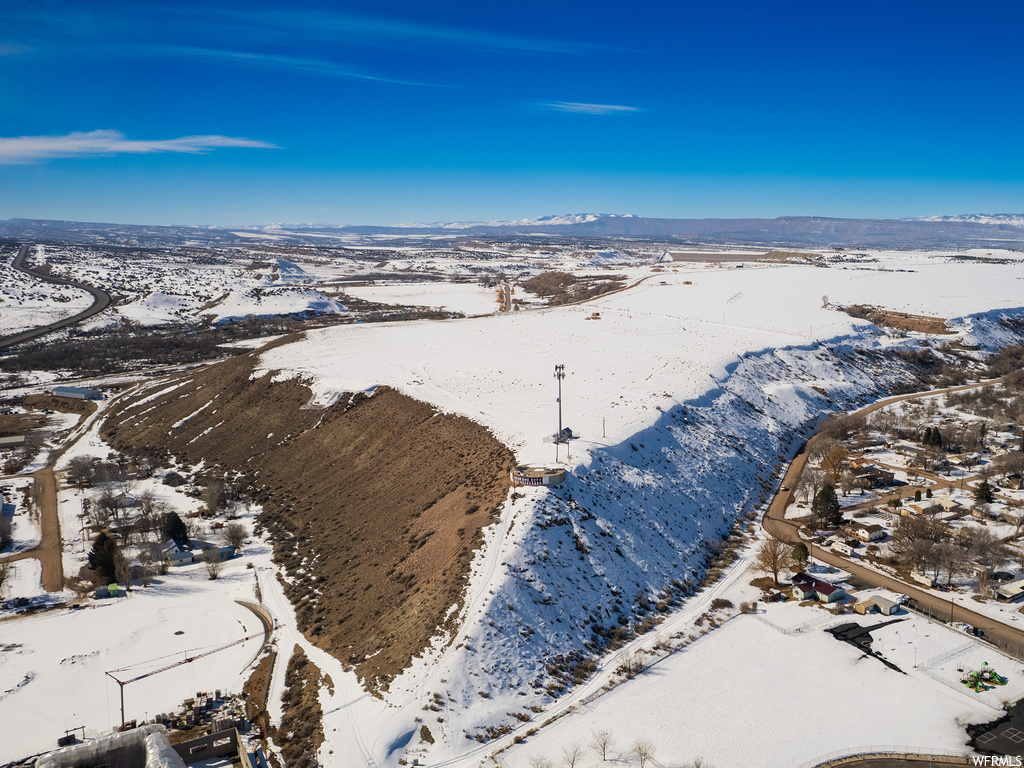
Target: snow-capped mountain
<point>545,221</point>
<point>1012,219</point>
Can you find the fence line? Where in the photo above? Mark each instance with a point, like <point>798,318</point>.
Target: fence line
<point>958,651</point>
<point>882,751</point>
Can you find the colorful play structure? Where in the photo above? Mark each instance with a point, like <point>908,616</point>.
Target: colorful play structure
<point>983,679</point>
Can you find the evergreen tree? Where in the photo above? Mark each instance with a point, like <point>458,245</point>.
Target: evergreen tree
<point>983,493</point>
<point>936,438</point>
<point>926,438</point>
<point>103,557</point>
<point>799,556</point>
<point>174,528</point>
<point>826,506</point>
<point>917,495</point>
<point>928,492</point>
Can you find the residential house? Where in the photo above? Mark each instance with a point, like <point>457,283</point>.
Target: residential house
<point>806,587</point>
<point>868,532</point>
<point>175,553</point>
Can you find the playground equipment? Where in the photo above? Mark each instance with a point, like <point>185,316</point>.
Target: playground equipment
<point>983,679</point>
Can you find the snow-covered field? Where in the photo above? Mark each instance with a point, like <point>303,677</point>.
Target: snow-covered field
<point>699,388</point>
<point>26,302</point>
<point>748,694</point>
<point>52,666</point>
<point>468,298</point>
<point>684,399</point>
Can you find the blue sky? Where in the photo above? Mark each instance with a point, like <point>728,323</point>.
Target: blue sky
<point>223,112</point>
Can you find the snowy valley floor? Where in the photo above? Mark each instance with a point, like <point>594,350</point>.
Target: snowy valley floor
<point>703,390</point>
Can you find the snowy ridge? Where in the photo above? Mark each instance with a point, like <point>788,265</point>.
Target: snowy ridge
<point>990,330</point>
<point>1013,219</point>
<point>632,530</point>
<point>554,220</point>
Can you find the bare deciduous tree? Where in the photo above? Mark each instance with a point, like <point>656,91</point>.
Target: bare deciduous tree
<point>234,535</point>
<point>122,571</point>
<point>602,743</point>
<point>834,462</point>
<point>572,754</point>
<point>215,495</point>
<point>773,557</point>
<point>810,483</point>
<point>106,506</point>
<point>644,751</point>
<point>212,559</point>
<point>6,573</point>
<point>82,471</point>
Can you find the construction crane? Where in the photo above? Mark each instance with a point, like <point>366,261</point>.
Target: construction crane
<point>187,660</point>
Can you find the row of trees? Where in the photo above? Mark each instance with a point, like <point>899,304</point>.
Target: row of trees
<point>602,744</point>
<point>930,547</point>
<point>107,559</point>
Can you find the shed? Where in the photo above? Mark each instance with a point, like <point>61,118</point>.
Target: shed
<point>1010,592</point>
<point>77,393</point>
<point>12,441</point>
<point>886,606</point>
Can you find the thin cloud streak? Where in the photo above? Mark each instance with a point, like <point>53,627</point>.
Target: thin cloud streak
<point>383,32</point>
<point>291,63</point>
<point>588,109</point>
<point>30,149</point>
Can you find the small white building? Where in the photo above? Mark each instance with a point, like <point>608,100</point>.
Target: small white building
<point>869,531</point>
<point>175,554</point>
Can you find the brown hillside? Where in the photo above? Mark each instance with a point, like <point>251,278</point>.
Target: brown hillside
<point>888,318</point>
<point>379,500</point>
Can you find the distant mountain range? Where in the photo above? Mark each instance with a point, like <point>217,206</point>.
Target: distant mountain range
<point>934,232</point>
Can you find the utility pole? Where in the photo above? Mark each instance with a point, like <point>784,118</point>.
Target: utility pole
<point>559,375</point>
<point>120,684</point>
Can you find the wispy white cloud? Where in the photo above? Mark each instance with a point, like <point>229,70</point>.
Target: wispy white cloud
<point>293,63</point>
<point>12,49</point>
<point>588,109</point>
<point>29,149</point>
<point>374,31</point>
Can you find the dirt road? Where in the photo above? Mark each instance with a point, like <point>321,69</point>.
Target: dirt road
<point>49,550</point>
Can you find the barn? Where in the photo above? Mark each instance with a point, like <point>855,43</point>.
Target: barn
<point>77,393</point>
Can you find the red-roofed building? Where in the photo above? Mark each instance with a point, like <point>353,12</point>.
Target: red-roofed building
<point>806,587</point>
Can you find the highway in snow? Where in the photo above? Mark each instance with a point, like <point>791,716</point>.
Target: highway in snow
<point>100,301</point>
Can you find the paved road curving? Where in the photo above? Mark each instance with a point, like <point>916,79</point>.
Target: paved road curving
<point>100,301</point>
<point>1003,635</point>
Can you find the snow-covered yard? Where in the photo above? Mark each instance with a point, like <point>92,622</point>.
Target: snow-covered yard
<point>740,694</point>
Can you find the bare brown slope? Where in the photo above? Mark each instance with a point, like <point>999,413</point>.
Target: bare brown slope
<point>379,500</point>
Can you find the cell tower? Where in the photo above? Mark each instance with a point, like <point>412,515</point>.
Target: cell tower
<point>559,375</point>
